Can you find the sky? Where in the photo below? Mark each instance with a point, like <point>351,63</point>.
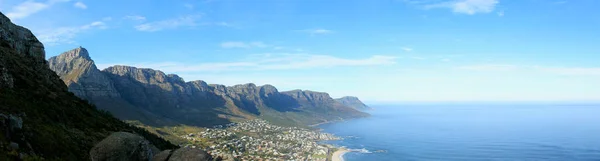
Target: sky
<point>379,50</point>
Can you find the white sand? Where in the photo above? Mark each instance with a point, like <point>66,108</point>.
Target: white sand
<point>337,155</point>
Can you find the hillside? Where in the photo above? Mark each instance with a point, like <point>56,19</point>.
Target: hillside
<point>160,99</point>
<point>353,102</point>
<point>39,117</point>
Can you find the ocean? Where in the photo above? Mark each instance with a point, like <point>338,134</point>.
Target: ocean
<point>472,132</point>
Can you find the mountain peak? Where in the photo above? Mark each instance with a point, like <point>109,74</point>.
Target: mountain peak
<point>353,102</point>
<point>79,52</point>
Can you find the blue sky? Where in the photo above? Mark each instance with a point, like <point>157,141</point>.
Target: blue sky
<point>378,50</point>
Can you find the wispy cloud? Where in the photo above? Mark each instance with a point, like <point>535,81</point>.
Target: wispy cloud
<point>188,6</point>
<point>264,62</point>
<point>500,13</point>
<point>65,35</point>
<point>313,32</point>
<point>135,18</point>
<point>490,67</point>
<point>466,6</point>
<point>407,49</point>
<point>240,44</point>
<point>27,8</point>
<point>184,21</point>
<point>80,5</point>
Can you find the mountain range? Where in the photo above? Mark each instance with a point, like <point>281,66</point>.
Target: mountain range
<point>155,98</point>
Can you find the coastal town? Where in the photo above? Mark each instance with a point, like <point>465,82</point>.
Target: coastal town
<point>259,140</point>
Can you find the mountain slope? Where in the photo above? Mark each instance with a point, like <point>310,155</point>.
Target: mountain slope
<point>168,97</point>
<point>353,102</point>
<point>38,115</point>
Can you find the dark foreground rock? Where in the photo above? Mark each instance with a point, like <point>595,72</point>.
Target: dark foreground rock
<point>162,156</point>
<point>121,146</point>
<point>189,154</point>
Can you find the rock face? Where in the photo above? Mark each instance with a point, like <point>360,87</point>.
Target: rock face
<point>123,146</point>
<point>39,118</point>
<point>78,71</point>
<point>149,95</point>
<point>20,39</point>
<point>353,102</point>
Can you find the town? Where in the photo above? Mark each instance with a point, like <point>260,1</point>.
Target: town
<point>259,140</point>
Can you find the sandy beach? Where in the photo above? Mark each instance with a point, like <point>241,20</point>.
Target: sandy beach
<point>337,155</point>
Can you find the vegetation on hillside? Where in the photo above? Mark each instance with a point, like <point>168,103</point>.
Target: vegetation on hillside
<point>56,124</point>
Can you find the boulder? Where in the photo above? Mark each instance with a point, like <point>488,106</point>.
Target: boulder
<point>190,154</point>
<point>123,146</point>
<point>16,123</point>
<point>162,156</point>
<point>14,146</point>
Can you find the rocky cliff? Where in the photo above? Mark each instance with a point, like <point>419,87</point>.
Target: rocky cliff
<point>168,97</point>
<point>39,118</point>
<point>78,71</point>
<point>353,102</point>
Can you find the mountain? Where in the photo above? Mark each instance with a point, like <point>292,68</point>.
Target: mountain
<point>353,102</point>
<point>39,117</point>
<point>160,99</point>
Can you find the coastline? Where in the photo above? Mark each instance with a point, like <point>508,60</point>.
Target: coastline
<point>338,155</point>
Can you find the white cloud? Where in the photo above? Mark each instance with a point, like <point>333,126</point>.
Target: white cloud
<point>25,9</point>
<point>501,13</point>
<point>30,7</point>
<point>467,6</point>
<point>135,18</point>
<point>185,21</point>
<point>80,5</point>
<point>225,24</point>
<point>418,58</point>
<point>490,67</point>
<point>264,62</point>
<point>317,31</point>
<point>407,49</point>
<point>239,44</point>
<point>65,35</point>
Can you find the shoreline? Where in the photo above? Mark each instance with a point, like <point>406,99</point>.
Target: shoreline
<point>339,154</point>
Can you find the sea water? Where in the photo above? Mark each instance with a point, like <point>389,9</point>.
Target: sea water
<point>464,132</point>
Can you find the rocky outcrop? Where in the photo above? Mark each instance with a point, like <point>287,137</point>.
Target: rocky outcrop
<point>20,39</point>
<point>79,72</point>
<point>353,102</point>
<point>121,146</point>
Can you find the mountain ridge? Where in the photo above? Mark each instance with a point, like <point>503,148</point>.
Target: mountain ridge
<point>151,94</point>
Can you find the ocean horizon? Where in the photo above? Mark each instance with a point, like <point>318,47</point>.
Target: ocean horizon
<point>472,131</point>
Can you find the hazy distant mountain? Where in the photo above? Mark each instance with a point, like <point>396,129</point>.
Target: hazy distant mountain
<point>38,116</point>
<point>353,102</point>
<point>156,98</point>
